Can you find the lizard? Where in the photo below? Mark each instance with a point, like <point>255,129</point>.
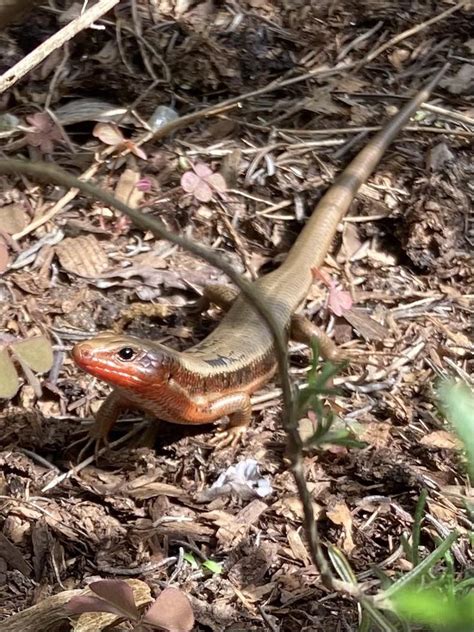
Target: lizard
<point>215,377</point>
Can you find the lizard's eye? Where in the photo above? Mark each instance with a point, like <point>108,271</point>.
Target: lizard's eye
<point>126,354</point>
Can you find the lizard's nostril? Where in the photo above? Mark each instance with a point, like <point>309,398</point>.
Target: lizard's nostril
<point>81,352</point>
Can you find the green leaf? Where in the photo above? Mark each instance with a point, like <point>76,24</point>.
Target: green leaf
<point>36,353</point>
<point>189,557</point>
<point>9,383</point>
<point>420,508</point>
<point>458,404</point>
<point>423,567</point>
<point>433,608</point>
<point>214,567</point>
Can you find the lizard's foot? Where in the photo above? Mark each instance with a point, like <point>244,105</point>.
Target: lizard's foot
<point>99,444</point>
<point>89,439</point>
<point>228,437</point>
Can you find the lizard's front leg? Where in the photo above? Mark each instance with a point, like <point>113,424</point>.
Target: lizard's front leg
<point>110,410</point>
<point>105,418</point>
<point>239,410</point>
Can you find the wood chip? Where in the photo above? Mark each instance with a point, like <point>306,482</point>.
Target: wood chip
<point>297,546</point>
<point>234,528</point>
<point>440,439</point>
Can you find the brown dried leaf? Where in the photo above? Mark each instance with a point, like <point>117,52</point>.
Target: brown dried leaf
<point>118,593</point>
<point>366,326</point>
<point>13,556</point>
<point>351,240</point>
<point>171,611</point>
<point>13,218</point>
<point>4,256</point>
<point>83,256</point>
<point>440,439</point>
<point>108,133</point>
<point>297,547</point>
<point>126,190</point>
<point>45,133</point>
<point>9,383</point>
<point>341,515</point>
<point>196,185</point>
<point>235,528</point>
<point>98,621</point>
<point>322,102</point>
<point>376,433</point>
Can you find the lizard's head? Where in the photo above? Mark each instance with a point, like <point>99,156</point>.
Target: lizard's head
<point>123,361</point>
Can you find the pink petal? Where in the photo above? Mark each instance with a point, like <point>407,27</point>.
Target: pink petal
<point>202,170</point>
<point>189,181</point>
<point>203,192</point>
<point>339,301</point>
<point>217,182</point>
<point>144,185</point>
<point>138,151</point>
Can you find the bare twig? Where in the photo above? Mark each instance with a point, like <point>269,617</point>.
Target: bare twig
<point>11,76</point>
<point>408,33</point>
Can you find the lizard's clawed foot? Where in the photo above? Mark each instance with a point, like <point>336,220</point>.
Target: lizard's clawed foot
<point>89,440</point>
<point>229,437</point>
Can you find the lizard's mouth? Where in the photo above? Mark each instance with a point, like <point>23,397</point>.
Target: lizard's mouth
<point>103,366</point>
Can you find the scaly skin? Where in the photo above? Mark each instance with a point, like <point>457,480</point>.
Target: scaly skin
<point>216,377</point>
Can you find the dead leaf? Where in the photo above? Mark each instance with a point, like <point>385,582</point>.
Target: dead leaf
<point>13,218</point>
<point>398,56</point>
<point>322,102</point>
<point>234,528</point>
<point>338,299</point>
<point>98,621</point>
<point>108,133</point>
<point>297,547</point>
<point>83,256</point>
<point>171,611</point>
<point>440,439</point>
<point>13,556</point>
<point>126,190</point>
<point>443,512</point>
<point>375,433</point>
<point>4,256</point>
<point>291,507</point>
<point>351,240</point>
<point>45,132</point>
<point>341,515</point>
<point>365,326</point>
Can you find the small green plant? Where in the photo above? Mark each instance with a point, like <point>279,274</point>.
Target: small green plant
<point>311,402</point>
<point>431,594</point>
<point>214,567</point>
<point>171,610</point>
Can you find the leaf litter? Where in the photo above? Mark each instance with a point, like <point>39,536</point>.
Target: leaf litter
<point>399,301</point>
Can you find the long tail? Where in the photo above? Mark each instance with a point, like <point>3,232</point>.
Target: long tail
<point>314,241</point>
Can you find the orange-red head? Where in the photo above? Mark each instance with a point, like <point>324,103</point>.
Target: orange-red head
<point>123,361</point>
